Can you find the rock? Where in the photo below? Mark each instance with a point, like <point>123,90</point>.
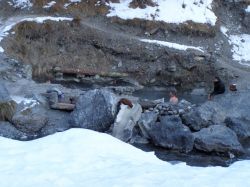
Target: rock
<point>209,113</point>
<point>7,130</point>
<point>7,107</point>
<point>30,120</point>
<point>95,110</point>
<point>217,138</point>
<point>147,120</point>
<point>4,94</point>
<point>146,104</point>
<point>125,122</point>
<point>139,140</point>
<point>58,121</point>
<point>240,126</point>
<point>172,134</point>
<point>246,20</point>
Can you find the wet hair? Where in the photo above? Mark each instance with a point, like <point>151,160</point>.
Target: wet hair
<point>126,102</point>
<point>173,91</point>
<point>218,78</point>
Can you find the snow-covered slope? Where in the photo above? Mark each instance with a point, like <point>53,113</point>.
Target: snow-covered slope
<point>20,3</point>
<point>170,11</point>
<point>241,48</point>
<point>81,157</point>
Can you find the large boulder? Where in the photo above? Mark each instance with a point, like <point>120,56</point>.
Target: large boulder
<point>217,138</point>
<point>209,113</point>
<point>7,106</point>
<point>95,110</point>
<point>172,134</point>
<point>30,120</point>
<point>240,126</point>
<point>146,122</point>
<point>127,118</point>
<point>235,105</point>
<point>7,130</point>
<point>58,121</point>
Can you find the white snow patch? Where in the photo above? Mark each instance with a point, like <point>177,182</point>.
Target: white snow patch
<point>27,102</point>
<point>9,24</point>
<point>248,9</point>
<point>170,11</point>
<point>20,3</point>
<point>80,157</point>
<point>224,30</point>
<point>172,45</point>
<point>241,48</point>
<point>71,2</point>
<point>50,4</point>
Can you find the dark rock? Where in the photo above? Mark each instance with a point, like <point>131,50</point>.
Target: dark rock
<point>217,138</point>
<point>147,120</point>
<point>240,126</point>
<point>210,113</point>
<point>30,120</point>
<point>172,134</point>
<point>58,121</point>
<point>246,20</point>
<point>7,130</point>
<point>95,110</point>
<point>139,140</point>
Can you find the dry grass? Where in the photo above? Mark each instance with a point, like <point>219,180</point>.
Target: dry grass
<point>7,110</point>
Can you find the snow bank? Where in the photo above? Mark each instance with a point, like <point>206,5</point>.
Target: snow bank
<point>50,4</point>
<point>5,27</point>
<point>241,48</point>
<point>170,11</point>
<point>20,3</point>
<point>80,157</point>
<point>248,9</point>
<point>172,45</point>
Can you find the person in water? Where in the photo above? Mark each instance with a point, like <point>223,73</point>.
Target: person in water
<point>173,97</point>
<point>219,88</point>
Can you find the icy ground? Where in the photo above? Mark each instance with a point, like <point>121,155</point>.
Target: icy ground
<point>80,157</point>
<point>170,11</point>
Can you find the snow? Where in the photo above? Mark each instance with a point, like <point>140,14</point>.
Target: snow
<point>50,4</point>
<point>172,45</point>
<point>72,1</point>
<point>27,102</point>
<point>241,48</point>
<point>224,30</point>
<point>169,11</point>
<point>9,24</point>
<point>248,9</point>
<point>21,3</point>
<point>80,157</point>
